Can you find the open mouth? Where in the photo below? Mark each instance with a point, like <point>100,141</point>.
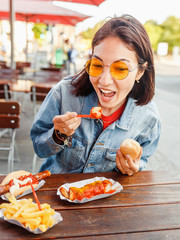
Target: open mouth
<point>107,93</point>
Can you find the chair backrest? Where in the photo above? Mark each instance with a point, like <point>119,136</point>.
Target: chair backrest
<point>39,92</point>
<point>55,68</point>
<point>61,66</point>
<point>3,64</point>
<point>5,92</point>
<point>10,114</point>
<point>20,65</point>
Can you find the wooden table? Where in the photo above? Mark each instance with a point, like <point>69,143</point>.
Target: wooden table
<point>54,69</point>
<point>25,85</point>
<point>148,207</point>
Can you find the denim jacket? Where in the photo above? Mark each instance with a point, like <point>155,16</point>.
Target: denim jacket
<point>93,149</point>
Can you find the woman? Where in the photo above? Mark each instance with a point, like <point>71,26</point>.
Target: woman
<point>120,79</point>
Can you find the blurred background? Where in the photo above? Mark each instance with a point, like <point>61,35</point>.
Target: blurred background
<point>41,27</point>
<point>42,41</point>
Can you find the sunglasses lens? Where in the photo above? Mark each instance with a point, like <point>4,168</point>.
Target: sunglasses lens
<point>94,67</point>
<point>119,70</point>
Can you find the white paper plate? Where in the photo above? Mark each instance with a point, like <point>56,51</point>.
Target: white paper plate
<point>41,183</point>
<point>115,185</point>
<point>57,218</point>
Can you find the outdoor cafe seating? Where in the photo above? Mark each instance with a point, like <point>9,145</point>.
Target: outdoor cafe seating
<point>20,66</point>
<point>37,95</point>
<point>9,122</point>
<point>5,92</point>
<point>9,74</point>
<point>3,64</point>
<point>48,76</point>
<point>54,67</point>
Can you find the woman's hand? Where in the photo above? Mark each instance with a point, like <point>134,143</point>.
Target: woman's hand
<point>67,123</point>
<point>125,163</point>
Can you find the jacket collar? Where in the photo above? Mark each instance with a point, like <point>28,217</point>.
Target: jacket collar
<point>88,102</point>
<point>125,120</point>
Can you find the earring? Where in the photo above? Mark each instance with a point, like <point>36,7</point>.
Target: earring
<point>137,81</point>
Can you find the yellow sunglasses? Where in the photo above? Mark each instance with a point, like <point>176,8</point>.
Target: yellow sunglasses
<point>119,70</point>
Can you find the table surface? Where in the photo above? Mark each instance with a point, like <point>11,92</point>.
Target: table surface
<point>22,85</point>
<point>147,208</point>
<point>54,69</point>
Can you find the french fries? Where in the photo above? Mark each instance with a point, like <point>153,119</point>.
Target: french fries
<point>27,213</point>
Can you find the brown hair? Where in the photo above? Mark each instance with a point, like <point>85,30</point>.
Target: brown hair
<point>133,33</point>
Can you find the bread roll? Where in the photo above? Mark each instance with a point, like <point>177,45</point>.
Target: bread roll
<point>16,175</point>
<point>131,147</point>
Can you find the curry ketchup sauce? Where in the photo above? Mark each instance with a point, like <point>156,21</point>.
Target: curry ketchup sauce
<point>24,177</point>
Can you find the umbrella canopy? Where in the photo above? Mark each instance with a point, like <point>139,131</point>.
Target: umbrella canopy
<point>40,11</point>
<point>91,2</point>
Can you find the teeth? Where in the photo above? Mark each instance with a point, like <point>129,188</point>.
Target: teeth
<point>105,91</point>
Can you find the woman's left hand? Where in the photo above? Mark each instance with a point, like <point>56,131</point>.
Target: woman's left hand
<point>125,163</point>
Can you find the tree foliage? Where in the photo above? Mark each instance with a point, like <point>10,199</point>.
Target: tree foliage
<point>40,30</point>
<point>89,34</point>
<point>168,31</point>
<point>154,31</point>
<point>171,32</point>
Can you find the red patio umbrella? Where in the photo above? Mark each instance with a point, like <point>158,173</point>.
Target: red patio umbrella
<point>40,11</point>
<point>36,11</point>
<point>91,2</point>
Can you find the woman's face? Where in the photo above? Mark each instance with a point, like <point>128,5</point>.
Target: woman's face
<point>112,93</point>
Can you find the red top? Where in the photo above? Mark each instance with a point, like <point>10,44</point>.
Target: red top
<point>107,120</point>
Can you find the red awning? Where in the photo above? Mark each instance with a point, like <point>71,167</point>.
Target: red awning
<point>91,2</point>
<point>42,18</point>
<point>40,11</point>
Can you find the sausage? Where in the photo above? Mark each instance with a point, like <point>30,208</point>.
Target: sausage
<point>88,191</point>
<point>39,176</point>
<point>42,175</point>
<point>4,189</point>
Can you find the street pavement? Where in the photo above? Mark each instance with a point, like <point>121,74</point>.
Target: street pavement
<point>167,98</point>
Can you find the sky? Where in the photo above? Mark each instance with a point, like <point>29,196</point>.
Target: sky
<point>143,10</point>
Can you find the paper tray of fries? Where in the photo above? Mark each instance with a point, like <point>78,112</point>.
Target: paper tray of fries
<point>25,213</point>
<point>41,183</point>
<point>116,186</point>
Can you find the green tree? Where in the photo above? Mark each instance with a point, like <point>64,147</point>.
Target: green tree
<point>89,34</point>
<point>154,31</point>
<point>40,30</point>
<point>168,31</point>
<point>171,32</point>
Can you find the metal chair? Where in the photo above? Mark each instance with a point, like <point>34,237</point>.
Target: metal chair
<point>9,120</point>
<point>5,92</point>
<point>38,94</point>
